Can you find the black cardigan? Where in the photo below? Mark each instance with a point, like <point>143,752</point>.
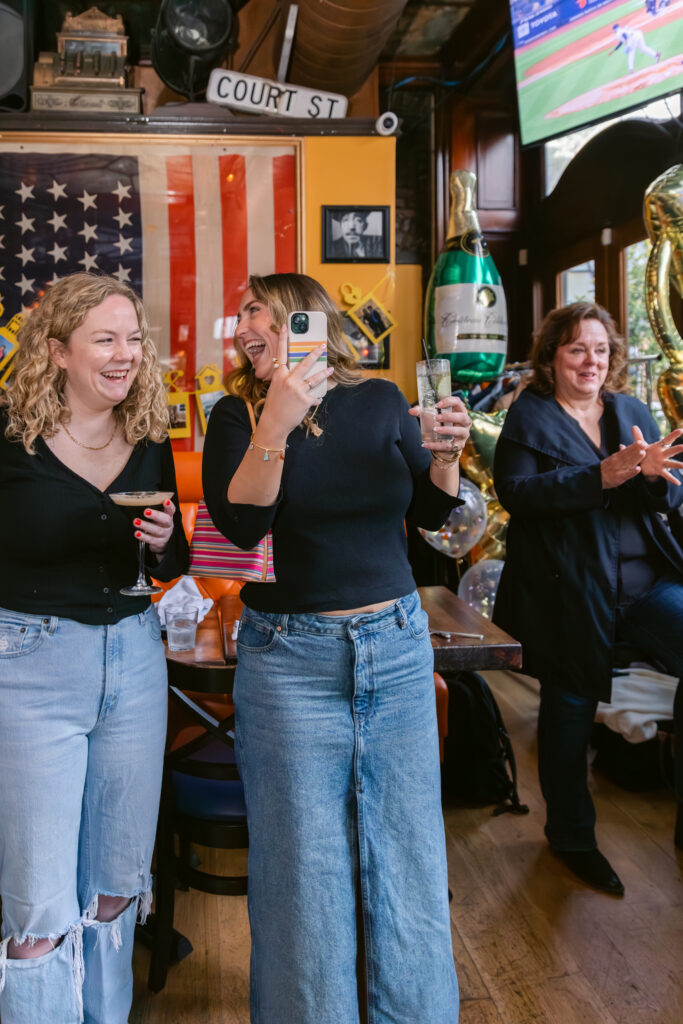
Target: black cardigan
<point>558,589</point>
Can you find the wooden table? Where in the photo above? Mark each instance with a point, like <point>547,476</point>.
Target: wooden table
<point>215,653</point>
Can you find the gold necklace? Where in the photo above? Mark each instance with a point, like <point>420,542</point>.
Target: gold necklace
<point>91,447</point>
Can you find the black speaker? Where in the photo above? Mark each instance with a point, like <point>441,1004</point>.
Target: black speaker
<point>16,53</point>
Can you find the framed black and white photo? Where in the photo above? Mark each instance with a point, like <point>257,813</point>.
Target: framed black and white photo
<point>355,234</point>
<point>372,318</point>
<point>372,355</point>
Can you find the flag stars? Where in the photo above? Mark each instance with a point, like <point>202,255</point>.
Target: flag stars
<point>123,274</point>
<point>122,191</point>
<point>26,284</point>
<point>57,220</point>
<point>123,219</point>
<point>87,200</point>
<point>58,252</point>
<point>124,245</point>
<point>26,223</point>
<point>57,191</point>
<point>1,214</point>
<point>26,255</point>
<point>2,244</point>
<point>88,231</point>
<point>54,280</point>
<point>89,261</point>
<point>26,192</point>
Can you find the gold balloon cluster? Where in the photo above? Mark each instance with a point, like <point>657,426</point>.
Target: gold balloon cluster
<point>663,214</point>
<point>477,463</point>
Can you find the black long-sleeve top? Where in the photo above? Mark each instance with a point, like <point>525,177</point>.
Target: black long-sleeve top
<point>66,548</point>
<point>338,528</point>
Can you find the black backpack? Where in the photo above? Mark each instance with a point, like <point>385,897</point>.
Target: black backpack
<point>479,764</point>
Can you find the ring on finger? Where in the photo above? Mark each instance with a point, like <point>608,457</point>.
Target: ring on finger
<point>276,363</point>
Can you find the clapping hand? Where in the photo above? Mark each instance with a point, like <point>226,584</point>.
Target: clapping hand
<point>658,460</point>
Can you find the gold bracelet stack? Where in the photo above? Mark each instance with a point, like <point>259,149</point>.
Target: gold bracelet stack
<point>447,459</point>
<point>266,458</point>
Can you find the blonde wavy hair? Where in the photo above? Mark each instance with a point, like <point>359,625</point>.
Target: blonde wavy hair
<point>282,294</point>
<point>35,400</point>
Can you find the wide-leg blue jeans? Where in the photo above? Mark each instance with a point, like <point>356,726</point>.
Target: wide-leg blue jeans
<point>338,751</point>
<point>82,732</point>
<point>654,624</point>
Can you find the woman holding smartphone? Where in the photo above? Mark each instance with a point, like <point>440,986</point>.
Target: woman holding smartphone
<point>334,692</point>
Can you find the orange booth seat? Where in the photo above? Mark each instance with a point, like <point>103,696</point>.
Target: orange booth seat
<point>188,470</point>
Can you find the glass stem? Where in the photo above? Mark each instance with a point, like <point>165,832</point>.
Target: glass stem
<point>142,579</point>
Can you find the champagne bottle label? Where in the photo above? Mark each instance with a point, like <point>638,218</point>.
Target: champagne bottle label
<point>470,317</point>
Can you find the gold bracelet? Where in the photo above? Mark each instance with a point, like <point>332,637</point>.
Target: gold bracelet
<point>445,460</point>
<point>266,458</point>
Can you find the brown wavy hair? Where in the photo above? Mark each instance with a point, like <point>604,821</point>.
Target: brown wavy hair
<point>35,399</point>
<point>282,294</point>
<point>560,327</point>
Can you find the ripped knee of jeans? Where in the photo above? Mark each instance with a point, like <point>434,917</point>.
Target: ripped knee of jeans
<point>110,927</point>
<point>71,941</point>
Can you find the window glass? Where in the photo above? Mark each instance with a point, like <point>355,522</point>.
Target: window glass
<point>578,283</point>
<point>559,152</point>
<point>644,353</point>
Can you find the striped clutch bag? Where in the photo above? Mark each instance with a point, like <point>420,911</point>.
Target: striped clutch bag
<point>212,554</point>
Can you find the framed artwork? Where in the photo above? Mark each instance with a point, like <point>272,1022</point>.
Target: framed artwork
<point>373,320</point>
<point>371,355</point>
<point>355,234</point>
<point>205,403</point>
<point>178,217</point>
<point>179,419</point>
<point>8,348</point>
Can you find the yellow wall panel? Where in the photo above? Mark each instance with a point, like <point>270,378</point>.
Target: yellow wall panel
<point>361,171</point>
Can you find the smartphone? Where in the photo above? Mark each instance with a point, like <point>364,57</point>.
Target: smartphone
<point>308,329</point>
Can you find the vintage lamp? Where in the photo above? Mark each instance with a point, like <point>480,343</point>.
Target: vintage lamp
<point>189,40</point>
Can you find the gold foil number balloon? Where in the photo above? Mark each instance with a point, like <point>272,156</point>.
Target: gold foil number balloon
<point>477,456</point>
<point>663,214</point>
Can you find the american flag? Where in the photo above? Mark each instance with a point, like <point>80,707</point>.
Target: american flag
<point>182,225</point>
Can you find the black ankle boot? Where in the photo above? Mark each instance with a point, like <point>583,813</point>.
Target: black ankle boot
<point>594,869</point>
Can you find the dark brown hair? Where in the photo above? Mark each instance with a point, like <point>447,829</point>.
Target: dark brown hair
<point>560,327</point>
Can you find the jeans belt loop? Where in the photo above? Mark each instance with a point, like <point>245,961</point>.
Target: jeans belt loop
<point>54,622</point>
<point>284,621</point>
<point>401,616</point>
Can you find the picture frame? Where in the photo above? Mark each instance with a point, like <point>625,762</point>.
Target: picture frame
<point>179,414</point>
<point>370,316</point>
<point>355,234</point>
<point>8,349</point>
<point>205,403</point>
<point>371,355</point>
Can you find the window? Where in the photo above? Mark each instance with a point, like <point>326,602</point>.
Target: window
<point>578,283</point>
<point>644,353</point>
<point>559,152</point>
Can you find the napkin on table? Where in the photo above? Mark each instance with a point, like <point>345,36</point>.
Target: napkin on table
<point>184,594</point>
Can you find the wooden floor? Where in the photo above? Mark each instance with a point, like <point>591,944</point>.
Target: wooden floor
<point>532,946</point>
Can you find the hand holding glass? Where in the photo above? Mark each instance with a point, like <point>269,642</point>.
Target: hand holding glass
<point>433,384</point>
<point>134,503</point>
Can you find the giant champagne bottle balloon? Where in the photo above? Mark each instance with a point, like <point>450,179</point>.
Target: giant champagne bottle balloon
<point>465,317</point>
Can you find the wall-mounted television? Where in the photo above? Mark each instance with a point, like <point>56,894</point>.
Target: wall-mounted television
<point>581,61</point>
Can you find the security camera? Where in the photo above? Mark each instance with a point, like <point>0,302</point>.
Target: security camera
<point>386,123</point>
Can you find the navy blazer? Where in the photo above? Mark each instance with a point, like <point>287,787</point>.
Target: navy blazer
<point>558,588</point>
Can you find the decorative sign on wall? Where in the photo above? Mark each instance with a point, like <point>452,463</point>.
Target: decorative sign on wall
<point>179,406</point>
<point>8,343</point>
<point>261,95</point>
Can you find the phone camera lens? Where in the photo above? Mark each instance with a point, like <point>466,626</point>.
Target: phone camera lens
<point>299,323</point>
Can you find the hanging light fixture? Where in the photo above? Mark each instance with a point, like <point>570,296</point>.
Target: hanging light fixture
<point>189,40</point>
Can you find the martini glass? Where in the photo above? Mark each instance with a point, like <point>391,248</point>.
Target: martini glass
<point>134,503</point>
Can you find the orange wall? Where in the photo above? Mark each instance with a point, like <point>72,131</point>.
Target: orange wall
<point>360,171</point>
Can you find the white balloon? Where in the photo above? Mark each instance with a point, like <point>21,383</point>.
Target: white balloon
<point>464,527</point>
<point>479,585</point>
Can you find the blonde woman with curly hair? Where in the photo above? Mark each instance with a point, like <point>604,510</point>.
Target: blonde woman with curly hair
<point>334,692</point>
<point>82,667</point>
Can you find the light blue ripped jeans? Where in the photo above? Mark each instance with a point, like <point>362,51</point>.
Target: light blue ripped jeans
<point>82,732</point>
<point>338,751</point>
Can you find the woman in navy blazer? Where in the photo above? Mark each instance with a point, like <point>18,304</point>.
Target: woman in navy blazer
<point>594,555</point>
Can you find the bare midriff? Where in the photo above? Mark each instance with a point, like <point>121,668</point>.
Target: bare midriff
<point>380,606</point>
